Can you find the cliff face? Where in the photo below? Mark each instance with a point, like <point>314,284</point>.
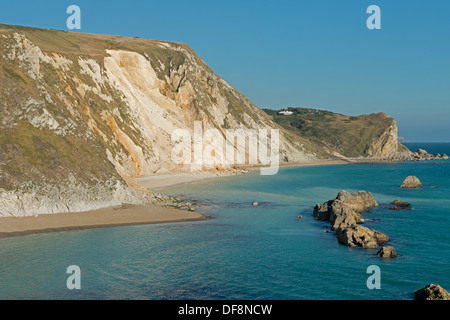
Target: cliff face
<point>387,146</point>
<point>83,114</point>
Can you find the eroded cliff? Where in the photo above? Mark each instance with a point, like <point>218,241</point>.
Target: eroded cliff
<point>84,114</point>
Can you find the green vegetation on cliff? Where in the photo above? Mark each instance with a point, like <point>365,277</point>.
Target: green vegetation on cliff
<point>351,136</point>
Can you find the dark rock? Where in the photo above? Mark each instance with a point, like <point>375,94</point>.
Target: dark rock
<point>358,201</point>
<point>399,205</point>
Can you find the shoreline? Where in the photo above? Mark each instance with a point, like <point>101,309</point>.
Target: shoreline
<point>127,215</point>
<point>161,181</point>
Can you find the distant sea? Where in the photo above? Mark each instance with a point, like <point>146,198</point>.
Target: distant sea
<point>431,147</point>
<point>247,252</point>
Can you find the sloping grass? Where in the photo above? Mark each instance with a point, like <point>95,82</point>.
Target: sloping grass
<point>351,136</point>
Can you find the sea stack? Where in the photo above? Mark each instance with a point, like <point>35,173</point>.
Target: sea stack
<point>411,182</point>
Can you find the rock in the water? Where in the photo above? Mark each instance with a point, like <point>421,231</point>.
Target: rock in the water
<point>432,292</point>
<point>358,201</point>
<point>411,182</point>
<point>359,236</point>
<point>387,252</point>
<point>345,203</point>
<point>399,205</point>
<point>321,212</point>
<point>344,216</point>
<point>255,204</point>
<point>422,152</point>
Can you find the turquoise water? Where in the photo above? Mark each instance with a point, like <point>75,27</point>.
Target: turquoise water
<point>247,252</point>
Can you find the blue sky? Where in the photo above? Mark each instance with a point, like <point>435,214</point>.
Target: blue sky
<point>310,53</point>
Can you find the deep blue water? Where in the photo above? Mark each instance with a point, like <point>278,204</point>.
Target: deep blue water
<point>247,252</point>
<point>431,147</point>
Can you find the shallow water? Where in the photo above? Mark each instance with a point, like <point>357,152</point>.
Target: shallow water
<point>248,252</point>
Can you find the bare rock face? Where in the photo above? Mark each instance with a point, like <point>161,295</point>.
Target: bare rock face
<point>321,212</point>
<point>77,126</point>
<point>344,214</point>
<point>387,144</point>
<point>359,236</point>
<point>432,292</point>
<point>411,182</point>
<point>387,252</point>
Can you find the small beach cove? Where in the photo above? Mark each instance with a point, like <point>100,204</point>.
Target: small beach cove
<point>250,252</point>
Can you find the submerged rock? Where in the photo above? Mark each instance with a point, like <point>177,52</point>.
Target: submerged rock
<point>411,182</point>
<point>387,252</point>
<point>432,292</point>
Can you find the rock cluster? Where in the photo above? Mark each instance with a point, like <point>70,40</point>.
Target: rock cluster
<point>411,182</point>
<point>344,215</point>
<point>422,154</point>
<point>432,292</point>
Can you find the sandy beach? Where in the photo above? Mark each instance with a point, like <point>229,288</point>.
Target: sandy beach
<point>107,217</point>
<point>127,214</point>
<point>159,181</point>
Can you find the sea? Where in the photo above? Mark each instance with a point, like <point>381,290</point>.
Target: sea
<point>252,252</point>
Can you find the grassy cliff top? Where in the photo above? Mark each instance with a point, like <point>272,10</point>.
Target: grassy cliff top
<point>94,46</point>
<point>349,135</point>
